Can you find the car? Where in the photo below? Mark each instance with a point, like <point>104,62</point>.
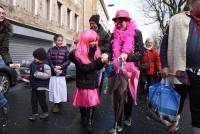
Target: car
<point>24,71</point>
<point>8,77</point>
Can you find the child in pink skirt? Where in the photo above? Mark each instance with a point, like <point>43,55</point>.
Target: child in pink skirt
<point>88,59</point>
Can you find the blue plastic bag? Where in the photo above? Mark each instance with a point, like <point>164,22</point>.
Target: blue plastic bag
<point>3,100</point>
<point>164,100</point>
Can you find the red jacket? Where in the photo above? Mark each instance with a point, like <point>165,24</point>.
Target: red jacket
<point>152,56</point>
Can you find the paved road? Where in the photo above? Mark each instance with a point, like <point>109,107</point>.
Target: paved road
<point>68,121</point>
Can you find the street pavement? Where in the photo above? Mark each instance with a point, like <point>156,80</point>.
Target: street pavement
<point>68,120</point>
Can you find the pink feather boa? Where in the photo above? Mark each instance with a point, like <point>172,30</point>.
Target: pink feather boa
<point>123,42</point>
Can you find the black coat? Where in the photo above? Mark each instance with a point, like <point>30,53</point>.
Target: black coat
<point>104,40</point>
<point>86,74</point>
<point>5,33</point>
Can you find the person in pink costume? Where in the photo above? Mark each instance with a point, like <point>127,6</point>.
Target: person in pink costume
<point>127,44</point>
<point>88,59</point>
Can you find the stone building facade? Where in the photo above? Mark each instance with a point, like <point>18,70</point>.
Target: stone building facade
<point>36,21</point>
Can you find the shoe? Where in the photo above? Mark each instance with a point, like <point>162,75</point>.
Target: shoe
<point>55,108</point>
<point>33,117</point>
<point>5,110</point>
<point>44,116</point>
<point>127,122</point>
<point>25,79</point>
<point>115,130</point>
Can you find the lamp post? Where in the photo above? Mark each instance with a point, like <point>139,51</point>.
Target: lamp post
<point>111,5</point>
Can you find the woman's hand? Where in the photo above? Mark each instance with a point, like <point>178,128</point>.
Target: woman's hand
<point>124,56</point>
<point>104,58</point>
<point>14,66</point>
<point>164,72</point>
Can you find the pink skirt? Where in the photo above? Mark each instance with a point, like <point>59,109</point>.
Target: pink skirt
<point>86,98</point>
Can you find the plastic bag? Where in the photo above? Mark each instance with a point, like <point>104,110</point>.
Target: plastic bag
<point>164,101</point>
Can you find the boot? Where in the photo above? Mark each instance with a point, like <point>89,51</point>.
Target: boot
<point>90,111</point>
<point>56,108</point>
<point>83,116</point>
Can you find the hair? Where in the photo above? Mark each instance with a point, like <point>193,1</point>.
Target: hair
<point>2,7</point>
<point>82,48</point>
<point>40,54</point>
<point>56,36</point>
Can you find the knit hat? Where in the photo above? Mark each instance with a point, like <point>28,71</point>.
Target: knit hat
<point>95,18</point>
<point>40,54</point>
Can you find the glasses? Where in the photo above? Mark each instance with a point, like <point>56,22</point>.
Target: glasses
<point>120,20</point>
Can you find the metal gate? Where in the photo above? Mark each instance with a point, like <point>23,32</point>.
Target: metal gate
<point>21,48</point>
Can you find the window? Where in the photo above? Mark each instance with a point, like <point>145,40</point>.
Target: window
<point>36,7</point>
<point>76,23</point>
<point>68,17</point>
<point>47,9</point>
<point>59,13</point>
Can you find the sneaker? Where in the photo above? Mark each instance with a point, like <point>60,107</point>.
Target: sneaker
<point>33,117</point>
<point>115,130</point>
<point>44,116</point>
<point>25,79</point>
<point>55,108</point>
<point>127,122</point>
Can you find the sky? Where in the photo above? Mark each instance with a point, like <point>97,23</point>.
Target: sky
<point>134,7</point>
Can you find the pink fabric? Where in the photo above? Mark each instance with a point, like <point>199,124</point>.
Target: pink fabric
<point>86,98</point>
<point>123,42</point>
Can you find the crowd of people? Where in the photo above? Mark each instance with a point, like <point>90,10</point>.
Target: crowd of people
<point>125,52</point>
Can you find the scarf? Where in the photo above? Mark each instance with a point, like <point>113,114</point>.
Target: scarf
<point>196,19</point>
<point>123,41</point>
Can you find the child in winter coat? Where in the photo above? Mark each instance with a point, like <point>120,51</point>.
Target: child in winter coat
<point>40,72</point>
<point>58,60</point>
<point>88,59</point>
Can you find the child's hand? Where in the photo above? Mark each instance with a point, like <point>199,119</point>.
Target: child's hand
<point>104,58</point>
<point>58,67</point>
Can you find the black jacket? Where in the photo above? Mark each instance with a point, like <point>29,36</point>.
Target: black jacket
<point>86,75</point>
<point>5,33</point>
<point>104,40</point>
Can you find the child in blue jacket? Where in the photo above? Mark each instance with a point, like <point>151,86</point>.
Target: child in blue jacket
<point>40,72</point>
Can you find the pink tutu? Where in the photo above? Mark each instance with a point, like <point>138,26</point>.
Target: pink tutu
<point>86,97</point>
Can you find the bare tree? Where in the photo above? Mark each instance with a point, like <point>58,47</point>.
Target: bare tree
<point>161,10</point>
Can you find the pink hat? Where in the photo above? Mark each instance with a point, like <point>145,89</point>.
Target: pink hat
<point>122,14</point>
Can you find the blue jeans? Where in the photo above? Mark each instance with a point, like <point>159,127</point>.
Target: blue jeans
<point>3,100</point>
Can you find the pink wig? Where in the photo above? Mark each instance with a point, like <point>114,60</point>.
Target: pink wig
<point>82,47</point>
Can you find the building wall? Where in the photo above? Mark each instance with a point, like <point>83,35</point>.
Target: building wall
<point>34,13</point>
<point>92,7</point>
<point>101,10</point>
